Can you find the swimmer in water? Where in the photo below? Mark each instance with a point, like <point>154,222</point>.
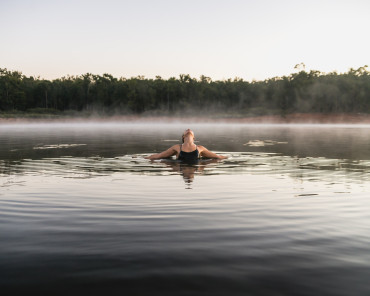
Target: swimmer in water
<point>187,151</point>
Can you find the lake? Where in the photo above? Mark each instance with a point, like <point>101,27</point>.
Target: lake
<point>82,210</point>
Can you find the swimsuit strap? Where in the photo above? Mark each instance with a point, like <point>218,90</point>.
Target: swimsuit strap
<point>196,148</point>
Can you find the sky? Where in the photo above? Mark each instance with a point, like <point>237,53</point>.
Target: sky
<point>252,40</point>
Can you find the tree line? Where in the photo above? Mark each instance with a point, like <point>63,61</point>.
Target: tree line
<point>302,91</point>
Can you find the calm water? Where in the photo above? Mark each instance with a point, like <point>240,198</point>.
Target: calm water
<point>288,213</point>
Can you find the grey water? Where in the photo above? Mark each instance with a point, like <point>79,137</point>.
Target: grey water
<point>83,211</point>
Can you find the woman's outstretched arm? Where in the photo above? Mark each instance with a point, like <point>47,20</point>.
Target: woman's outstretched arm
<point>204,152</point>
<point>165,154</point>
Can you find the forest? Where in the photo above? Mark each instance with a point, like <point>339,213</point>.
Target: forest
<point>90,94</point>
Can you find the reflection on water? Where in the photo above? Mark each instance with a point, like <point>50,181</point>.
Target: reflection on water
<point>188,171</point>
<point>308,168</point>
<point>82,211</point>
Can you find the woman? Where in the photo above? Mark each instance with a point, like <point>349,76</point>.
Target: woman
<point>187,151</point>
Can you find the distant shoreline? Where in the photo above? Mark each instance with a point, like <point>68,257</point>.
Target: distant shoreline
<point>295,118</point>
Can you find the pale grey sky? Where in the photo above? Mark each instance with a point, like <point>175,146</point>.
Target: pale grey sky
<point>221,39</point>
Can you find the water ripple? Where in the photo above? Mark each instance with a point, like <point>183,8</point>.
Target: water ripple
<point>309,168</point>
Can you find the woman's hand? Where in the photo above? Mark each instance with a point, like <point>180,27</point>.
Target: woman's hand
<point>222,157</point>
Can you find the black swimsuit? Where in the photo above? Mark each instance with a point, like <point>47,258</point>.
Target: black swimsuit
<point>189,157</point>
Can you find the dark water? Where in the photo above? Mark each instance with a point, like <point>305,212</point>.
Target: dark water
<point>82,211</point>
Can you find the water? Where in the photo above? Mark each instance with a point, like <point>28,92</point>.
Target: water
<point>82,211</point>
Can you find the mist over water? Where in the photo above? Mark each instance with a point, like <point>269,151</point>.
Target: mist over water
<point>82,210</point>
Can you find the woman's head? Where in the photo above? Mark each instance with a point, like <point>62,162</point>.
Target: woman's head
<point>188,133</point>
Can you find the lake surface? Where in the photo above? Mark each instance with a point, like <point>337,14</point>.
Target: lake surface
<point>82,210</point>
